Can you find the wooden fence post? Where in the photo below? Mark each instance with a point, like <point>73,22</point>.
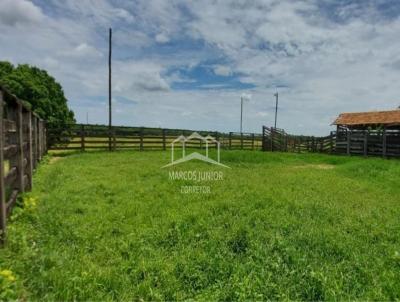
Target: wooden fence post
<point>348,141</point>
<point>110,138</point>
<point>366,143</point>
<point>20,146</point>
<point>141,139</point>
<point>263,139</point>
<point>241,140</point>
<point>230,140</point>
<point>30,152</point>
<point>82,137</point>
<point>37,140</point>
<point>3,209</point>
<point>252,141</point>
<point>34,149</point>
<point>164,140</point>
<point>384,143</point>
<point>114,140</point>
<point>286,143</point>
<point>272,139</point>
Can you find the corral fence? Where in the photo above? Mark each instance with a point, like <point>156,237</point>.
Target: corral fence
<point>373,142</point>
<point>100,137</point>
<point>22,145</point>
<point>376,142</point>
<point>275,139</point>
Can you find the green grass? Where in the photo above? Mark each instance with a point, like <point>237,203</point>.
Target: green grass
<point>113,226</point>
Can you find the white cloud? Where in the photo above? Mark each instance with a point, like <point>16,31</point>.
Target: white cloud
<point>82,50</point>
<point>327,67</point>
<point>13,12</point>
<point>162,37</point>
<point>133,77</point>
<point>222,70</point>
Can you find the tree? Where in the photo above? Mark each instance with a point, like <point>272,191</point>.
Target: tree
<point>40,90</point>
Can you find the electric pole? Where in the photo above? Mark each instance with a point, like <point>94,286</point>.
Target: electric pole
<point>241,114</point>
<point>109,91</point>
<point>276,107</point>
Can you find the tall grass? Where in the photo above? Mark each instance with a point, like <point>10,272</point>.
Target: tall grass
<point>113,226</point>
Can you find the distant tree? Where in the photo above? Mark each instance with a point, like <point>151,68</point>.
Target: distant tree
<point>40,90</point>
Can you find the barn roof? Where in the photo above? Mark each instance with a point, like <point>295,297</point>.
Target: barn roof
<point>391,117</point>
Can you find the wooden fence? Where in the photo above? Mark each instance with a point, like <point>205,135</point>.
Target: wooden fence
<point>99,137</point>
<point>22,145</point>
<point>379,142</point>
<point>278,140</point>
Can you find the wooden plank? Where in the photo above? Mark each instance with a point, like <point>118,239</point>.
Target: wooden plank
<point>9,150</point>
<point>10,177</point>
<point>11,202</point>
<point>114,141</point>
<point>366,143</point>
<point>348,141</point>
<point>3,207</point>
<point>163,137</point>
<point>384,141</point>
<point>141,139</point>
<point>35,140</point>
<point>83,137</point>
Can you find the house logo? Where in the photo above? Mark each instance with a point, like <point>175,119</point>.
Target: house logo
<point>207,140</point>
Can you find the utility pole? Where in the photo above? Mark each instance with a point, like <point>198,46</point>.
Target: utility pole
<point>109,91</point>
<point>276,107</point>
<point>241,114</point>
<point>87,118</point>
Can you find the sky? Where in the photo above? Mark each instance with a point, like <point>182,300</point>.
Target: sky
<point>186,63</point>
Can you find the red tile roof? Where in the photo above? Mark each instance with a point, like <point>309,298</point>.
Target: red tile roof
<point>391,117</point>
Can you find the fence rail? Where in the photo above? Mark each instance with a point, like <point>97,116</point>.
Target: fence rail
<point>22,145</point>
<point>376,142</point>
<point>91,137</point>
<point>379,142</point>
<point>278,140</point>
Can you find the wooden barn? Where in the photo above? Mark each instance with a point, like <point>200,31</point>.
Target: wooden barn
<point>369,133</point>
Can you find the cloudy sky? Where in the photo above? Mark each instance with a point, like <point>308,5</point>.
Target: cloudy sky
<point>185,63</point>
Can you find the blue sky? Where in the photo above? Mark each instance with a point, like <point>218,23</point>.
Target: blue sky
<point>185,63</point>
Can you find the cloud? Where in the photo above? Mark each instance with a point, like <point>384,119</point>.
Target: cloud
<point>13,12</point>
<point>162,38</point>
<point>222,70</point>
<point>82,50</point>
<point>326,57</point>
<point>133,77</point>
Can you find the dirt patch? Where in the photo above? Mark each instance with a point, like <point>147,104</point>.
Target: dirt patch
<point>312,166</point>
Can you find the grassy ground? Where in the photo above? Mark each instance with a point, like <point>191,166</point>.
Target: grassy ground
<point>279,226</point>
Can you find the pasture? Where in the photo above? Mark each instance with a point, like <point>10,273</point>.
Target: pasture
<point>113,225</point>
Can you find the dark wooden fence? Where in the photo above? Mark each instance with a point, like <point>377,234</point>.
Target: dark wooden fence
<point>22,145</point>
<point>278,140</point>
<point>100,137</point>
<point>379,142</point>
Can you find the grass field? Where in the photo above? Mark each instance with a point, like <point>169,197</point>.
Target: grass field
<point>278,226</point>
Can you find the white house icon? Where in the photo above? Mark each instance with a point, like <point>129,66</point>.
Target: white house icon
<point>195,155</point>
